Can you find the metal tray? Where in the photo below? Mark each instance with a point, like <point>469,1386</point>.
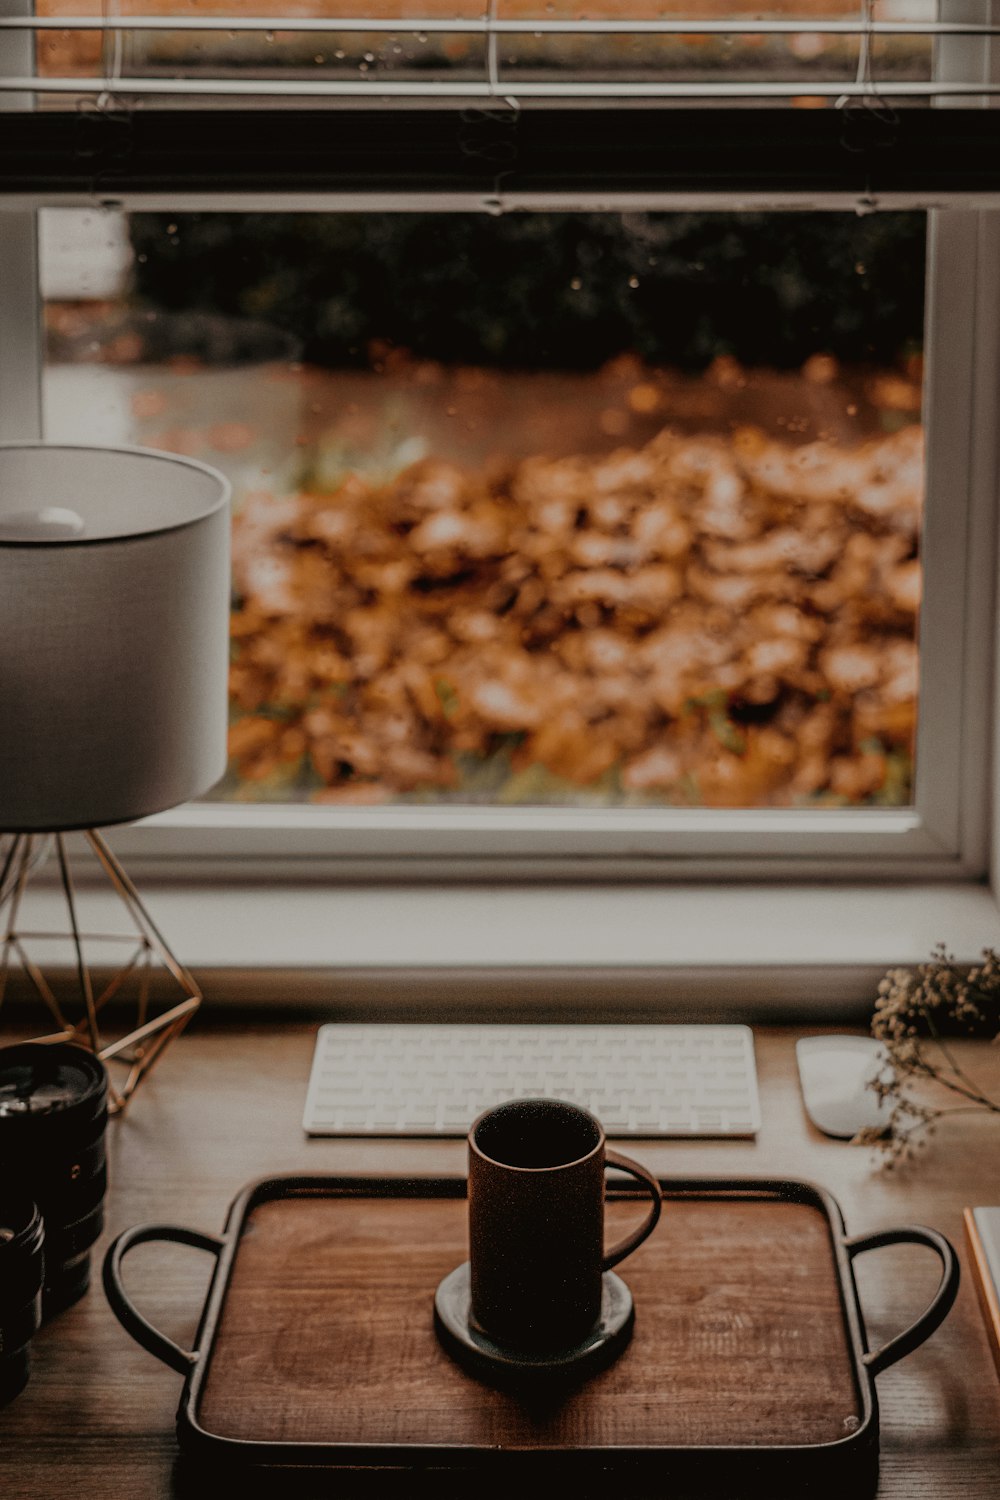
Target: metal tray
<point>749,1371</point>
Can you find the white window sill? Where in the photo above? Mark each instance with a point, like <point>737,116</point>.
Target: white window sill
<point>720,948</point>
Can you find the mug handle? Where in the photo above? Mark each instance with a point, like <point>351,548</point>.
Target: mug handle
<point>634,1240</point>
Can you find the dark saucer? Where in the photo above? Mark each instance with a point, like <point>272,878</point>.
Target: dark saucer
<point>516,1367</point>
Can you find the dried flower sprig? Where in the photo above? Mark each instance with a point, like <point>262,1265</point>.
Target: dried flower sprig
<point>916,1013</point>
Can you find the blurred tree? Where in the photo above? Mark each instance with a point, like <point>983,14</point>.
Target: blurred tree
<point>551,290</point>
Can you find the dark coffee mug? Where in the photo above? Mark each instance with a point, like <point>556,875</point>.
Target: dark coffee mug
<point>536,1222</point>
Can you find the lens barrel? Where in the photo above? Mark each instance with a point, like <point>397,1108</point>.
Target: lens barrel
<point>53,1113</point>
<point>21,1276</point>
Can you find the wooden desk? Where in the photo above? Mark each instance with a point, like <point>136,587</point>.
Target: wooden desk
<point>97,1416</point>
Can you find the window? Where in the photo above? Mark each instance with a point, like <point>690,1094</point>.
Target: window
<point>567,510</point>
<point>713,772</point>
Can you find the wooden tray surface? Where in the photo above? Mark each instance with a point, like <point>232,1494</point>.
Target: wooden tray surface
<point>326,1334</point>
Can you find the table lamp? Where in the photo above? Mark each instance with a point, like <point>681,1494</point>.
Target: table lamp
<point>114,612</point>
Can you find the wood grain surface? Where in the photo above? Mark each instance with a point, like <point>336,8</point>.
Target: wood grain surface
<point>326,1334</point>
<point>97,1417</point>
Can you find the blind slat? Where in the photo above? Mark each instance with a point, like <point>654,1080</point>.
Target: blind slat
<point>296,88</point>
<point>692,26</point>
<point>445,158</point>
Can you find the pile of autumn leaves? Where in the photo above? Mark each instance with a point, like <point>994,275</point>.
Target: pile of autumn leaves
<point>706,620</point>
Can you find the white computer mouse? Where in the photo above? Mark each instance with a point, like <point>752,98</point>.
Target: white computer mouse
<point>834,1072</point>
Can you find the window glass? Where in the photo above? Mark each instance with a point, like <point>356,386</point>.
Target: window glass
<point>562,509</point>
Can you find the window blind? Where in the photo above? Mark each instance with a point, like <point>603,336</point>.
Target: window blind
<point>805,53</point>
<point>501,103</point>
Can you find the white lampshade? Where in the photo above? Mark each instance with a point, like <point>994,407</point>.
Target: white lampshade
<point>114,622</point>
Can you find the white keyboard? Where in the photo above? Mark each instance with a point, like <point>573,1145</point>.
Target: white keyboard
<point>428,1080</point>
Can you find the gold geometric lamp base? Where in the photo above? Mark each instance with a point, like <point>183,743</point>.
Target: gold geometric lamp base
<point>148,1031</point>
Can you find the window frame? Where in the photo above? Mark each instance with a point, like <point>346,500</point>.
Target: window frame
<point>940,837</point>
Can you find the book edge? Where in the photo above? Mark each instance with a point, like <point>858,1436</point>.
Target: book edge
<point>986,1287</point>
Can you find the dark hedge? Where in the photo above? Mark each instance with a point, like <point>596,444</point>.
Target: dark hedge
<point>551,290</point>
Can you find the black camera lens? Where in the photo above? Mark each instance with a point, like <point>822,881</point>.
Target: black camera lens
<point>53,1112</point>
<point>21,1274</point>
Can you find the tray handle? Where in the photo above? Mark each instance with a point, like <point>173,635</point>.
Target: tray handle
<point>940,1304</point>
<point>128,1316</point>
